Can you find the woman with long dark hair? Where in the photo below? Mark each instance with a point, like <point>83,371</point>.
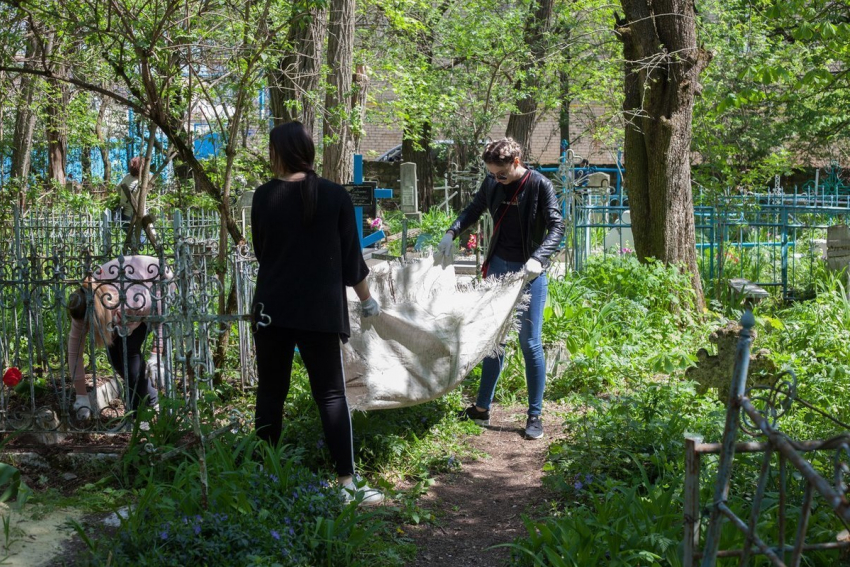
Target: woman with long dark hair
<point>306,242</point>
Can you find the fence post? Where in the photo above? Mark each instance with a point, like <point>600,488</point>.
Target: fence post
<point>736,391</point>
<point>692,470</point>
<point>784,218</point>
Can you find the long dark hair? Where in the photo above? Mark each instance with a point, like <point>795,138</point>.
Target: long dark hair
<point>294,152</point>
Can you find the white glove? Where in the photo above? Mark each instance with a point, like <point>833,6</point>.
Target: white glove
<point>533,269</point>
<point>82,407</point>
<point>445,245</point>
<point>369,308</point>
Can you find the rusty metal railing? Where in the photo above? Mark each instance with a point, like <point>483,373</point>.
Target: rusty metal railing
<point>755,412</point>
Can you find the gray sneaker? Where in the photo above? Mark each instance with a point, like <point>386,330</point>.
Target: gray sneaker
<point>533,427</point>
<point>358,491</point>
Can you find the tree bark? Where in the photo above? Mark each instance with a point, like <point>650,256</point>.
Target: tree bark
<point>522,120</point>
<point>662,67</point>
<point>358,103</point>
<point>103,139</point>
<point>293,84</point>
<point>337,161</point>
<point>24,128</point>
<point>423,161</point>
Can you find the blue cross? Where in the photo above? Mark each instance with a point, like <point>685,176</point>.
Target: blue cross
<point>358,211</point>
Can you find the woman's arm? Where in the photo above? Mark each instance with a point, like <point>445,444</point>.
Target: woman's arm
<point>362,289</point>
<point>472,212</point>
<point>551,210</point>
<point>76,345</point>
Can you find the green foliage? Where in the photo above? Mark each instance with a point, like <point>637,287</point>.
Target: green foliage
<point>13,486</point>
<point>622,525</point>
<point>263,508</point>
<point>619,473</point>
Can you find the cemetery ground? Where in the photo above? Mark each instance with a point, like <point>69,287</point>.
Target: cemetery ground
<point>605,486</point>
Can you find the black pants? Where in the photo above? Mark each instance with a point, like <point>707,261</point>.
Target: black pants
<point>136,377</point>
<point>323,359</point>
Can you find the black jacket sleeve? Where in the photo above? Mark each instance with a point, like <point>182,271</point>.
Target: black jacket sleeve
<point>550,209</point>
<point>256,235</point>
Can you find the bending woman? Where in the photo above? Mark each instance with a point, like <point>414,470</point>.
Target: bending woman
<point>127,286</point>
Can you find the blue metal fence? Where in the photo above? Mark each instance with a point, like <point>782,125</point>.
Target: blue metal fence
<point>776,241</point>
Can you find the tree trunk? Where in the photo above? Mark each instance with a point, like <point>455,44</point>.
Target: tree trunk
<point>522,120</point>
<point>566,95</point>
<point>24,129</point>
<point>295,82</point>
<point>423,161</point>
<point>56,122</point>
<point>103,140</point>
<point>337,161</point>
<point>662,67</point>
<point>85,164</point>
<point>358,104</point>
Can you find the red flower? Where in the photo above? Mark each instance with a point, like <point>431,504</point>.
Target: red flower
<point>12,377</point>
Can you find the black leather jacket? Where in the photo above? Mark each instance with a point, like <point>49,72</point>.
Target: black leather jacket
<point>539,213</point>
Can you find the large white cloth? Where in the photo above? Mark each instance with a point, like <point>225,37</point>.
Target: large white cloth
<point>429,335</point>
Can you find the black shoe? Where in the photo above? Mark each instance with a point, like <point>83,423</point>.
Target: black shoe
<point>479,417</point>
<point>533,427</point>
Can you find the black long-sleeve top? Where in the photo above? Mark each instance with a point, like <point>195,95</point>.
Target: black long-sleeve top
<point>304,269</point>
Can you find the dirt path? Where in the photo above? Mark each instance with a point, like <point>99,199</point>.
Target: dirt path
<point>36,542</point>
<point>482,505</point>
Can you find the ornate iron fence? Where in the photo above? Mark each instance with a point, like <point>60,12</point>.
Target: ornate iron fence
<point>45,256</point>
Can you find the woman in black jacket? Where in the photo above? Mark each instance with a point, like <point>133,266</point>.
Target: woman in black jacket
<point>527,230</point>
<point>308,249</point>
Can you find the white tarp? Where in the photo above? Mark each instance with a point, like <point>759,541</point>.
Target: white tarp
<point>429,335</point>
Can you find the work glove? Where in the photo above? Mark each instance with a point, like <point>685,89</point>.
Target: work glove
<point>369,308</point>
<point>82,407</point>
<point>533,268</point>
<point>445,245</point>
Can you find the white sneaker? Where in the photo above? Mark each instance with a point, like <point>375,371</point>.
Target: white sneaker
<point>82,407</point>
<point>358,491</point>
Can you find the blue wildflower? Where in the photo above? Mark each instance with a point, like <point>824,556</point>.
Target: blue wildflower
<point>275,535</point>
<point>578,485</point>
<point>197,530</point>
<point>163,535</point>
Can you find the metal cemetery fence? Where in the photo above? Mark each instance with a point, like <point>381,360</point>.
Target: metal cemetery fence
<point>46,255</point>
<point>776,241</point>
<point>755,412</point>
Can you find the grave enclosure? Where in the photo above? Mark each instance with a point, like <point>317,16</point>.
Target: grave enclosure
<point>44,258</point>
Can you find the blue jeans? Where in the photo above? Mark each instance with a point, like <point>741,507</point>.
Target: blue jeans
<point>531,320</point>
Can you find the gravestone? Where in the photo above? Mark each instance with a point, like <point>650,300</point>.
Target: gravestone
<point>620,240</point>
<point>715,371</point>
<point>409,191</point>
<point>598,179</point>
<point>837,247</point>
